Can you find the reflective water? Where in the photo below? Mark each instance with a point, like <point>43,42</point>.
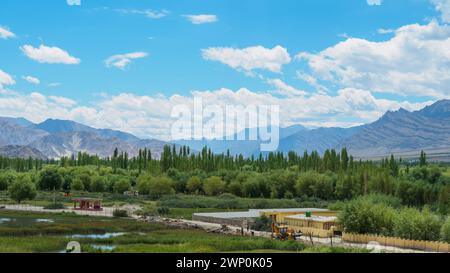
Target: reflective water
<point>104,247</point>
<point>98,236</point>
<point>23,221</point>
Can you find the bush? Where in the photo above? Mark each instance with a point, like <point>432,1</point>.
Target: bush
<point>122,186</point>
<point>50,179</point>
<point>143,182</point>
<point>159,186</point>
<point>262,223</point>
<point>313,184</point>
<point>417,225</point>
<point>194,185</point>
<point>163,210</point>
<point>22,189</point>
<point>214,186</point>
<point>362,216</point>
<point>77,185</point>
<point>120,213</point>
<point>6,179</point>
<point>98,184</point>
<point>54,206</point>
<point>445,231</point>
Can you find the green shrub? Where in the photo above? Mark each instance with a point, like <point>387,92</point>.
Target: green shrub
<point>262,223</point>
<point>22,189</point>
<point>50,179</point>
<point>122,186</point>
<point>120,213</point>
<point>445,231</point>
<point>163,210</point>
<point>6,179</point>
<point>362,216</point>
<point>194,185</point>
<point>417,225</point>
<point>214,186</point>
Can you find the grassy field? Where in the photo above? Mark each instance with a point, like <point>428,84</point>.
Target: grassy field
<point>25,235</point>
<point>180,206</point>
<point>447,172</point>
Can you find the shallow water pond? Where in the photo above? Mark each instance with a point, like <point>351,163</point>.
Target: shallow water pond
<point>104,247</point>
<point>4,220</point>
<point>98,236</point>
<point>23,221</point>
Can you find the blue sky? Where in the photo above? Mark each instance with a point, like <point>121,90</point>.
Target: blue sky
<point>113,56</point>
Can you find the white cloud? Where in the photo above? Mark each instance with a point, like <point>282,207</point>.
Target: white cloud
<point>202,19</point>
<point>64,102</point>
<point>54,84</point>
<point>6,79</point>
<point>443,6</point>
<point>250,58</point>
<point>374,2</point>
<point>5,33</point>
<point>50,55</point>
<point>416,61</point>
<point>32,80</point>
<point>311,81</point>
<point>150,116</point>
<point>74,2</point>
<point>153,14</point>
<point>284,89</point>
<point>121,61</point>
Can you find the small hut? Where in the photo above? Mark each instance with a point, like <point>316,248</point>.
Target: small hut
<point>90,204</point>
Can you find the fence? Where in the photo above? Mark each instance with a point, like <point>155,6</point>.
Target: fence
<point>397,242</point>
<point>314,232</point>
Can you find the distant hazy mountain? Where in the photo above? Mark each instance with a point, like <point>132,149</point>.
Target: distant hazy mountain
<point>53,126</point>
<point>316,140</point>
<point>401,132</point>
<point>16,132</point>
<point>14,151</point>
<point>244,147</point>
<point>55,138</point>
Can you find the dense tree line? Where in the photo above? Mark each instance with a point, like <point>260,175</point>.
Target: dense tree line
<point>333,176</point>
<point>22,165</point>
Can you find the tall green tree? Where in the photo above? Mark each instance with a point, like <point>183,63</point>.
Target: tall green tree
<point>22,189</point>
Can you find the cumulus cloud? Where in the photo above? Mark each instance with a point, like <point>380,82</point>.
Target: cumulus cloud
<point>122,61</point>
<point>443,7</point>
<point>6,79</point>
<point>312,81</point>
<point>416,61</point>
<point>202,19</point>
<point>374,2</point>
<point>32,80</point>
<point>74,2</point>
<point>50,55</point>
<point>250,58</point>
<point>5,33</point>
<point>284,89</point>
<point>62,101</point>
<point>150,116</point>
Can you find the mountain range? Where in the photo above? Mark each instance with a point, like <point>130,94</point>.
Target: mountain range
<point>401,132</point>
<point>56,138</point>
